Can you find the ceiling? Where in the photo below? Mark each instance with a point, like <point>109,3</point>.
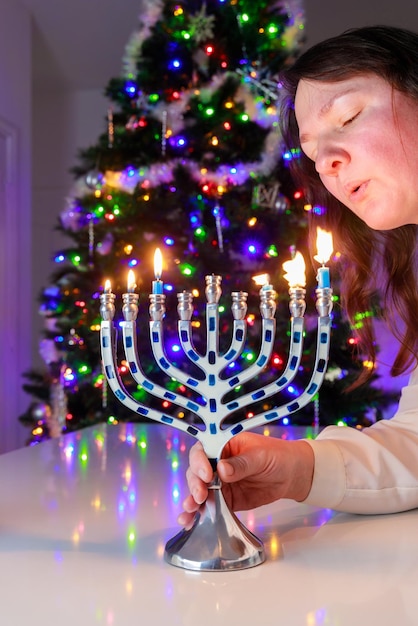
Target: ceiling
<point>80,43</point>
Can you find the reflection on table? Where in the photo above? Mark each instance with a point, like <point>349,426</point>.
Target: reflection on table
<point>85,519</point>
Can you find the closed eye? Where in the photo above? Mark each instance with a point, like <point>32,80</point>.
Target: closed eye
<point>351,119</point>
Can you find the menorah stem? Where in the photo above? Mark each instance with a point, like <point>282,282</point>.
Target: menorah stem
<point>217,540</point>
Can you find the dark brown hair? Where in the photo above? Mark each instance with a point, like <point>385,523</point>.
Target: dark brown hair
<point>391,53</point>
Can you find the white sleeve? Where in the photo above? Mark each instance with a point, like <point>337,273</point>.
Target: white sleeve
<point>374,470</point>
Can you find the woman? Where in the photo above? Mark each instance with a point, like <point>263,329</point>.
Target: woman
<point>352,109</point>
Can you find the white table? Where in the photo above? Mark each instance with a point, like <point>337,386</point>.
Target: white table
<point>85,518</point>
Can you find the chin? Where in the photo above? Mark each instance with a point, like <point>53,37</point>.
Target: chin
<point>385,224</point>
<point>383,219</point>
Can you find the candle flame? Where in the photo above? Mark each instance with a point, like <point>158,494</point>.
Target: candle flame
<point>158,263</point>
<point>324,246</point>
<point>131,281</point>
<point>107,286</point>
<point>261,279</point>
<point>295,271</point>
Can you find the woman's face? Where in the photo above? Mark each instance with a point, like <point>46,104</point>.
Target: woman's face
<point>362,136</point>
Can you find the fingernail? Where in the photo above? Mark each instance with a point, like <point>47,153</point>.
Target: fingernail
<point>227,469</point>
<point>196,497</point>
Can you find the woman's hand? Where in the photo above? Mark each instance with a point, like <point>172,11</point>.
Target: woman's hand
<point>254,470</point>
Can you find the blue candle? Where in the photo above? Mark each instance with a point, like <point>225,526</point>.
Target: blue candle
<point>157,284</point>
<point>324,247</point>
<point>323,278</point>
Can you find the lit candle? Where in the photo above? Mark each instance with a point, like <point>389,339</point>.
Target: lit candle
<point>263,281</point>
<point>157,284</point>
<point>295,271</point>
<point>324,248</point>
<point>131,282</point>
<point>107,303</point>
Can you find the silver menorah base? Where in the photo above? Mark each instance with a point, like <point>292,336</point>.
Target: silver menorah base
<point>217,541</point>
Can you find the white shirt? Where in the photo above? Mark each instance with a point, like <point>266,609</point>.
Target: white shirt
<point>374,470</point>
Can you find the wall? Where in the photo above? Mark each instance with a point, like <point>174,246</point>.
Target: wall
<point>326,18</point>
<point>15,218</point>
<point>64,122</point>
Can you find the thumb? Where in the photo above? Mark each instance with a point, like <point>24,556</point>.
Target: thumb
<point>234,468</point>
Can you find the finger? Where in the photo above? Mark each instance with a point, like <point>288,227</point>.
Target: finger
<point>186,520</point>
<point>190,505</point>
<point>199,463</point>
<point>197,488</point>
<point>234,469</point>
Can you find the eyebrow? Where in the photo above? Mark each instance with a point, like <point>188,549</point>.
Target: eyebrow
<point>326,108</point>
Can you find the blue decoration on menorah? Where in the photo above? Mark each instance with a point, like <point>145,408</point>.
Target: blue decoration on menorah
<point>217,540</point>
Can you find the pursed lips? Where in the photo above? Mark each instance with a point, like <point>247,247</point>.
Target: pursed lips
<point>355,190</point>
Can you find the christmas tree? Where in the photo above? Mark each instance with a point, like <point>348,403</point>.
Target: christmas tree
<point>191,162</point>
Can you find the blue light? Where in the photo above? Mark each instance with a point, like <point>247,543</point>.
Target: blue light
<point>175,64</point>
<point>176,493</point>
<point>168,287</point>
<point>176,348</point>
<point>59,258</point>
<point>318,210</point>
<point>294,153</point>
<point>130,88</point>
<point>252,249</point>
<point>169,241</point>
<point>286,421</point>
<point>133,263</point>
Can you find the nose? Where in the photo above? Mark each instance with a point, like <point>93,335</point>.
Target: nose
<point>330,158</point>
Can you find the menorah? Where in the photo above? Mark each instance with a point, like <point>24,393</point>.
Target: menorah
<point>217,539</point>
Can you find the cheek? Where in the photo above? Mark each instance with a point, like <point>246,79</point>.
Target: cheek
<point>330,184</point>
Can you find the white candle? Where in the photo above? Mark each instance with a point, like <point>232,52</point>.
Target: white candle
<point>131,282</point>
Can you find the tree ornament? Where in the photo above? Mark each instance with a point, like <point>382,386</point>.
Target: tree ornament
<point>58,399</point>
<point>282,203</point>
<point>266,87</point>
<point>164,133</point>
<point>110,128</point>
<point>218,214</point>
<point>95,180</point>
<point>265,195</point>
<point>40,411</point>
<point>105,246</point>
<point>91,242</point>
<point>201,25</point>
<point>71,217</point>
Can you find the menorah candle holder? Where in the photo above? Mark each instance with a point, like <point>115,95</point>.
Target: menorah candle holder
<point>217,539</point>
